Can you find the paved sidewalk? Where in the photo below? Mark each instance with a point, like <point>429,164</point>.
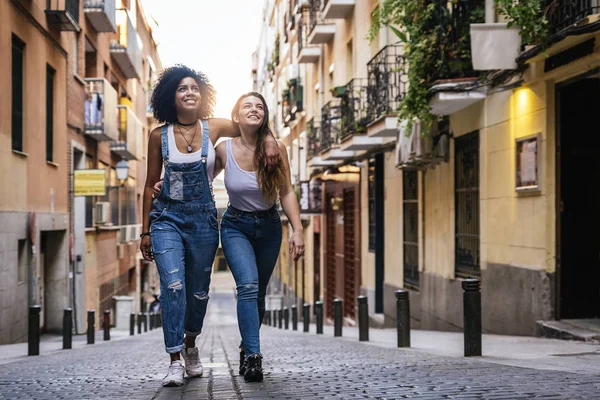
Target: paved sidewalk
<point>302,365</point>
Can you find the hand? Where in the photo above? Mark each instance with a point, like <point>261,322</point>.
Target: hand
<point>297,245</point>
<point>272,153</point>
<point>146,248</point>
<point>157,188</point>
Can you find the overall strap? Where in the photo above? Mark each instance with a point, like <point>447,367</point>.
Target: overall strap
<point>164,139</point>
<point>205,138</point>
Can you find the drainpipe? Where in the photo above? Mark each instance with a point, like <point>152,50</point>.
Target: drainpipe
<point>490,12</point>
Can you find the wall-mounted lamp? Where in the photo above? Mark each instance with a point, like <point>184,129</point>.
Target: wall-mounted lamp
<point>336,203</point>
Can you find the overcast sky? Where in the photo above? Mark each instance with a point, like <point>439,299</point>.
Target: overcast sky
<point>216,37</point>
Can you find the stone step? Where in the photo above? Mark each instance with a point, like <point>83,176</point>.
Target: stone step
<point>587,330</point>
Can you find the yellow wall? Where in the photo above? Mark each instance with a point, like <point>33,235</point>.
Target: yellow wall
<point>393,226</point>
<point>367,257</point>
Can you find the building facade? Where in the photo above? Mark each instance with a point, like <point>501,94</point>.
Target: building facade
<point>487,191</point>
<point>77,77</point>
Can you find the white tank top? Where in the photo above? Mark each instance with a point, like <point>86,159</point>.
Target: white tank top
<point>242,187</point>
<point>177,157</point>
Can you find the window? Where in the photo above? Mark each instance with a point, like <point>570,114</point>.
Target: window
<point>410,213</point>
<point>371,189</point>
<point>466,182</point>
<point>50,72</point>
<point>18,52</point>
<point>23,261</point>
<point>76,54</point>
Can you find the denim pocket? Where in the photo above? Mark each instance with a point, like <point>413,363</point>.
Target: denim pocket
<point>155,215</point>
<point>186,185</point>
<point>275,216</point>
<point>212,219</point>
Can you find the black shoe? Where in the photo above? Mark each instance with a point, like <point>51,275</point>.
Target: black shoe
<point>242,362</point>
<point>254,371</point>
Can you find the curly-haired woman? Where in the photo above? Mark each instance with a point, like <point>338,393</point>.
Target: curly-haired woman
<point>180,228</point>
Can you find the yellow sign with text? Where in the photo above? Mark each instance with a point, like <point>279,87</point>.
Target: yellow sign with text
<point>89,182</point>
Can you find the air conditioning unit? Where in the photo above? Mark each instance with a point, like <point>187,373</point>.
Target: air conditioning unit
<point>102,213</point>
<point>134,232</point>
<point>124,234</point>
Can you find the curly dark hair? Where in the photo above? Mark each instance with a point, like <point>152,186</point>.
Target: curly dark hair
<point>163,95</point>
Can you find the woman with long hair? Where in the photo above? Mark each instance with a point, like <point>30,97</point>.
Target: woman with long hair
<point>251,225</point>
<point>180,227</point>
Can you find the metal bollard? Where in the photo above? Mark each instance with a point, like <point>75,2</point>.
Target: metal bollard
<point>132,324</point>
<point>403,318</point>
<point>151,321</point>
<point>91,326</point>
<point>139,323</point>
<point>363,319</point>
<point>67,329</point>
<point>294,317</point>
<point>269,317</point>
<point>280,314</point>
<point>319,313</point>
<point>337,317</point>
<point>159,319</point>
<point>286,318</point>
<point>106,325</point>
<point>306,316</point>
<point>145,320</point>
<point>472,316</point>
<point>33,331</point>
<point>275,318</point>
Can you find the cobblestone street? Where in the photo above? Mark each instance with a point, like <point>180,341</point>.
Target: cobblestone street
<point>297,366</point>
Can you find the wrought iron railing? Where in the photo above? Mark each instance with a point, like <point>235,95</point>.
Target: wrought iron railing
<point>302,32</point>
<point>353,104</point>
<point>312,139</point>
<point>387,81</point>
<point>453,20</point>
<point>563,13</point>
<point>331,121</point>
<point>314,14</point>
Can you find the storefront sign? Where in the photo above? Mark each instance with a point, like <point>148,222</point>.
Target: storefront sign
<point>311,197</point>
<point>89,182</point>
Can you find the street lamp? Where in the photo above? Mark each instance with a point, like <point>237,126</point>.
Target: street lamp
<point>122,171</point>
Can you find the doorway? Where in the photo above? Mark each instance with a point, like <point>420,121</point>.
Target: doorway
<point>578,199</point>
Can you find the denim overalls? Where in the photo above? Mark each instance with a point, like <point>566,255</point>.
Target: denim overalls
<point>185,236</point>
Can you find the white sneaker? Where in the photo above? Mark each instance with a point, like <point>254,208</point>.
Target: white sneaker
<point>175,375</point>
<point>193,366</point>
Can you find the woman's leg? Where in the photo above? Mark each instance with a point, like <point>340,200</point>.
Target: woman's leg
<point>241,259</point>
<point>169,254</point>
<point>267,250</point>
<point>201,246</point>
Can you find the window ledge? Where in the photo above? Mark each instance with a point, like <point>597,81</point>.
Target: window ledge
<point>90,229</point>
<point>20,153</point>
<point>79,79</point>
<point>52,163</point>
<point>108,227</point>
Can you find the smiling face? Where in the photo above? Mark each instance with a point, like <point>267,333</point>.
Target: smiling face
<point>187,96</point>
<point>250,113</point>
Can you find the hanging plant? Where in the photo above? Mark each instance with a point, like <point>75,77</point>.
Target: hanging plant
<point>530,16</point>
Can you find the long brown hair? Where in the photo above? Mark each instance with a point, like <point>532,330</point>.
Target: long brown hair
<point>269,179</point>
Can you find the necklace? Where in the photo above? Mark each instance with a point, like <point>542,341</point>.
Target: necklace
<point>240,141</point>
<point>189,145</point>
<point>179,123</point>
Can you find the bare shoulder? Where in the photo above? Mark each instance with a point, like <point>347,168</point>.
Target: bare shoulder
<point>155,136</point>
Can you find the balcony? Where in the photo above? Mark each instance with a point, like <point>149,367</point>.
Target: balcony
<point>291,102</point>
<point>100,110</point>
<point>320,31</point>
<point>102,14</point>
<point>456,85</point>
<point>63,14</point>
<point>355,117</point>
<point>129,143</point>
<point>126,50</point>
<point>331,132</point>
<point>337,8</point>
<point>313,141</point>
<point>387,86</point>
<point>306,54</point>
<point>563,14</point>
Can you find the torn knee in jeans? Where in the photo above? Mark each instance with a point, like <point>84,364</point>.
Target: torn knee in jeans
<point>201,296</point>
<point>175,285</point>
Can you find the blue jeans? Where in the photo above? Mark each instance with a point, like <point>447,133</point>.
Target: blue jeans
<point>184,242</point>
<point>251,243</point>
